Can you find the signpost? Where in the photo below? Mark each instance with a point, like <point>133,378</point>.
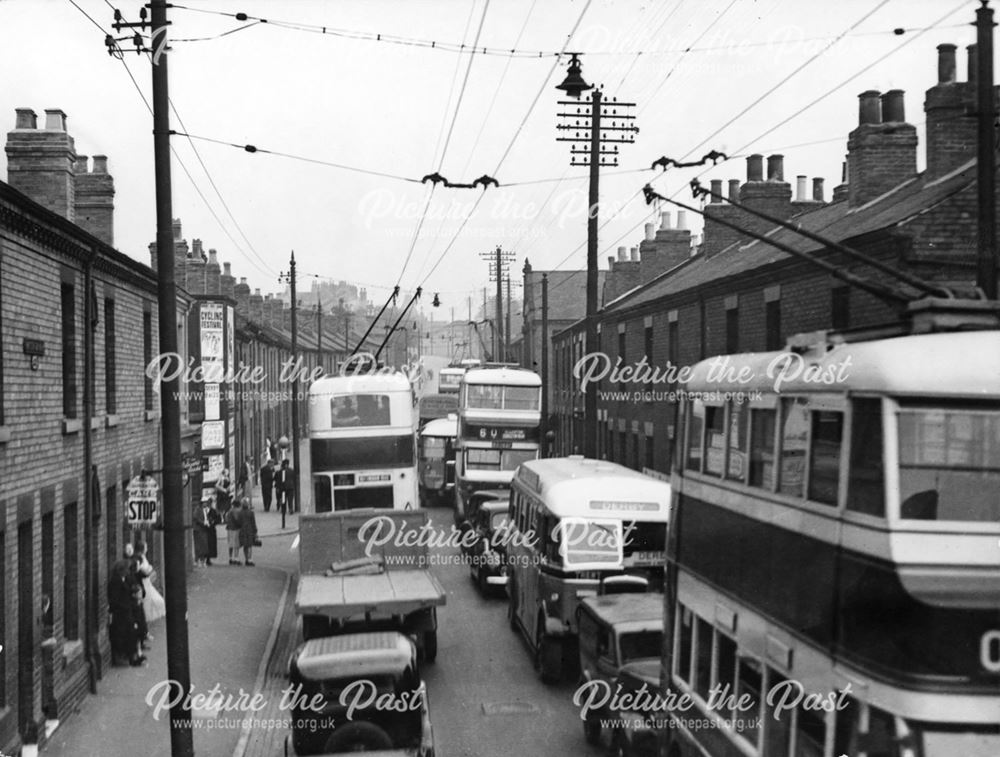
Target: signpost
<point>143,501</point>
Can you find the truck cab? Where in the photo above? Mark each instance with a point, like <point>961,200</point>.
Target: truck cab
<point>359,693</point>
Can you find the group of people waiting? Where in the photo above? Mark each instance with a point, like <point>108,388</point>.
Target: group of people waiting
<point>133,603</point>
<point>234,508</point>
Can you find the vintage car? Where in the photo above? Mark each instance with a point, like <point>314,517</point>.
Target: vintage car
<point>637,735</point>
<point>371,697</point>
<point>476,499</point>
<point>614,630</point>
<point>487,551</point>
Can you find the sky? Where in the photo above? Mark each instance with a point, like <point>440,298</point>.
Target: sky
<point>726,75</point>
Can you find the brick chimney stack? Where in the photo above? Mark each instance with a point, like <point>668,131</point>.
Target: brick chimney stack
<point>241,293</point>
<point>94,204</point>
<point>212,274</point>
<point>257,308</point>
<point>950,110</point>
<point>195,266</point>
<point>670,247</point>
<point>624,274</point>
<point>40,161</point>
<point>882,150</point>
<point>227,282</point>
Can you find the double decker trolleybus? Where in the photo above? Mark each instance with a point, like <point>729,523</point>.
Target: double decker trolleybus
<point>833,553</point>
<point>450,379</point>
<point>499,423</point>
<point>579,526</point>
<point>361,442</point>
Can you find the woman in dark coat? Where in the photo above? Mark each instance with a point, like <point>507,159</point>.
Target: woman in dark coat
<point>248,531</point>
<point>124,635</point>
<point>206,546</point>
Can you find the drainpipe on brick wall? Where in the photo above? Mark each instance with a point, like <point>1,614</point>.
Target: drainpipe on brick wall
<point>89,599</point>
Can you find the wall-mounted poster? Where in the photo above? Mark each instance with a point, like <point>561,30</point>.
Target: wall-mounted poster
<point>212,412</point>
<point>213,435</point>
<point>212,333</point>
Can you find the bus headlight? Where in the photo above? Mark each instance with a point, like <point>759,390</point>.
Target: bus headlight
<point>554,598</point>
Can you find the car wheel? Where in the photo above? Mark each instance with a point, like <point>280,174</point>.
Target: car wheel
<point>548,656</point>
<point>512,605</point>
<point>359,736</point>
<point>430,645</point>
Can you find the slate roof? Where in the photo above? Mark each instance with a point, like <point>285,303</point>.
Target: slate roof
<point>835,221</point>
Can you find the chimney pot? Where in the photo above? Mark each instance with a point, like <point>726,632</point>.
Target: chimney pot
<point>716,190</point>
<point>650,232</point>
<point>634,255</point>
<point>26,119</point>
<point>243,280</point>
<point>734,190</point>
<point>946,63</point>
<point>818,189</point>
<point>611,262</point>
<point>81,165</point>
<point>665,220</point>
<point>622,254</point>
<point>868,107</point>
<point>892,107</point>
<point>973,63</point>
<point>100,164</point>
<point>55,120</point>
<point>213,258</point>
<point>755,167</point>
<point>177,229</point>
<point>196,250</point>
<point>776,168</point>
<point>256,293</point>
<point>227,269</point>
<point>800,188</point>
<point>682,219</point>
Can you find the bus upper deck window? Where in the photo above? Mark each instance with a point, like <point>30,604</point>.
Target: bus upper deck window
<point>762,448</point>
<point>715,439</point>
<point>866,488</point>
<point>824,456</point>
<point>695,430</point>
<point>794,442</point>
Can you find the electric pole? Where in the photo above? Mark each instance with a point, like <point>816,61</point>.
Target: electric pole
<point>545,365</point>
<point>587,128</point>
<point>506,345</point>
<point>319,331</point>
<point>175,533</point>
<point>290,279</point>
<point>499,263</point>
<point>986,158</point>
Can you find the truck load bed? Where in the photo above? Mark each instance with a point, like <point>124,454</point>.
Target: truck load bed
<point>394,592</point>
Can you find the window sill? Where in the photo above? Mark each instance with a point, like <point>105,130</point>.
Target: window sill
<point>95,423</point>
<point>71,426</point>
<point>111,420</point>
<point>5,434</point>
<point>152,415</point>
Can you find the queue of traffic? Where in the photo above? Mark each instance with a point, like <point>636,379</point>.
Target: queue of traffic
<point>817,579</point>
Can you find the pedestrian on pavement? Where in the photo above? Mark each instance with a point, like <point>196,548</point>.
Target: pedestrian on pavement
<point>206,543</point>
<point>138,595</point>
<point>267,483</point>
<point>285,485</point>
<point>248,531</point>
<point>153,605</point>
<point>272,448</point>
<point>224,493</point>
<point>244,482</point>
<point>234,522</point>
<point>122,630</point>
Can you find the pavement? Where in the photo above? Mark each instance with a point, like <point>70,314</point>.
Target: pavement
<point>241,629</point>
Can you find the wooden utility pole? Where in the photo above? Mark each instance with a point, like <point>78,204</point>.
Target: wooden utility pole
<point>175,534</point>
<point>591,132</point>
<point>545,365</point>
<point>986,159</point>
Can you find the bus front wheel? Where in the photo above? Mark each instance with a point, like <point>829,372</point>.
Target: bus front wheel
<point>548,655</point>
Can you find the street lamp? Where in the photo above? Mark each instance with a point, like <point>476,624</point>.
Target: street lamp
<point>586,128</point>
